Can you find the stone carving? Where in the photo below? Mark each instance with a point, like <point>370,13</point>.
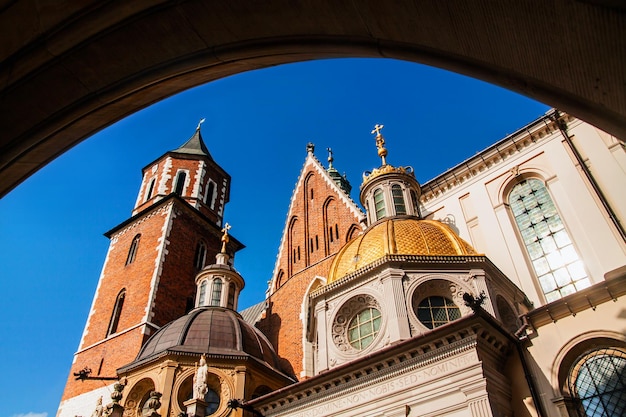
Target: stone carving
<point>114,409</point>
<point>99,408</point>
<point>347,311</point>
<point>200,387</point>
<point>152,405</point>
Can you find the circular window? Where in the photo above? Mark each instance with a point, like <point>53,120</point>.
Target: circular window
<point>363,328</point>
<point>436,311</point>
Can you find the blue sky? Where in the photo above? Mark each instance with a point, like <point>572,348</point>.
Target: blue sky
<point>257,127</point>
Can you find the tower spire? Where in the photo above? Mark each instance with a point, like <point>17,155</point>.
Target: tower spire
<point>380,143</point>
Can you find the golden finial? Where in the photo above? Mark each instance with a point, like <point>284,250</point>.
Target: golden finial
<point>380,143</point>
<point>225,238</point>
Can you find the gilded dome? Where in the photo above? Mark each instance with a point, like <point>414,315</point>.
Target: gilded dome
<point>398,236</point>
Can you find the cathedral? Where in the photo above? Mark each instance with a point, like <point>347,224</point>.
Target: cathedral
<point>495,289</point>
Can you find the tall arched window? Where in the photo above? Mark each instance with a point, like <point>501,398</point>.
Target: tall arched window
<point>231,296</point>
<point>117,312</point>
<point>398,199</point>
<point>150,189</point>
<point>216,293</point>
<point>202,294</point>
<point>209,198</point>
<point>555,261</point>
<point>597,382</point>
<point>379,204</point>
<point>416,203</point>
<point>180,182</point>
<point>200,256</point>
<point>132,251</point>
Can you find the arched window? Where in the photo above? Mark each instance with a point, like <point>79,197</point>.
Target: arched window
<point>555,261</point>
<point>202,294</point>
<point>150,189</point>
<point>597,382</point>
<point>216,293</point>
<point>117,312</point>
<point>200,256</point>
<point>416,203</point>
<point>436,311</point>
<point>180,182</point>
<point>209,198</point>
<point>231,296</point>
<point>379,204</point>
<point>132,251</point>
<point>398,199</point>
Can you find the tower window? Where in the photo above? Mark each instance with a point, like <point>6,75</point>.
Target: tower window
<point>379,203</point>
<point>231,296</point>
<point>336,231</point>
<point>117,312</point>
<point>209,198</point>
<point>180,182</point>
<point>398,199</point>
<point>202,294</point>
<point>216,296</point>
<point>416,204</point>
<point>200,256</point>
<point>132,251</point>
<point>150,189</point>
<point>597,381</point>
<point>556,263</point>
<point>436,311</point>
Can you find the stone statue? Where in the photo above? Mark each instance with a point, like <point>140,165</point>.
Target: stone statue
<point>99,409</point>
<point>200,379</point>
<point>152,405</point>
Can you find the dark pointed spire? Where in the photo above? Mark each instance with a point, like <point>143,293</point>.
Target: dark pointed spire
<point>339,179</point>
<point>195,145</point>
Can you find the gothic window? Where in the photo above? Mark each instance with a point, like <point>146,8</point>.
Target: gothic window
<point>117,312</point>
<point>554,259</point>
<point>200,256</point>
<point>180,182</point>
<point>231,296</point>
<point>597,382</point>
<point>436,311</point>
<point>363,328</point>
<point>216,294</point>
<point>209,198</point>
<point>398,199</point>
<point>132,251</point>
<point>202,293</point>
<point>150,189</point>
<point>379,203</point>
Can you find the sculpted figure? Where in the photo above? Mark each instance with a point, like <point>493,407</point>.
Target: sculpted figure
<point>99,409</point>
<point>200,387</point>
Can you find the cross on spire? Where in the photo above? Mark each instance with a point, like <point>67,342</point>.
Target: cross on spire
<point>225,238</point>
<point>200,123</point>
<point>380,143</point>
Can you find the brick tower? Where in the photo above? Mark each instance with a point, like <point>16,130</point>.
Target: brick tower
<point>321,219</point>
<point>148,277</point>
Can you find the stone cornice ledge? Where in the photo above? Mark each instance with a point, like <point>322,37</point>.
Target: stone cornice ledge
<point>609,290</point>
<point>452,339</point>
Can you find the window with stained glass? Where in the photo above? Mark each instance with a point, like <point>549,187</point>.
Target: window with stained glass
<point>555,261</point>
<point>363,328</point>
<point>597,382</point>
<point>216,294</point>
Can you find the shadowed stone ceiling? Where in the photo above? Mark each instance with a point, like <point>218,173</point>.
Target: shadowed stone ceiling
<point>70,68</point>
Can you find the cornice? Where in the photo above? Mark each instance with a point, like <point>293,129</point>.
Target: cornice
<point>495,155</point>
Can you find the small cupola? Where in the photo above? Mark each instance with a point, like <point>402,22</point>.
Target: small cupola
<point>389,191</point>
<point>219,284</point>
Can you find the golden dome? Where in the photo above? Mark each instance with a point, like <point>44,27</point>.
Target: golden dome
<point>398,236</point>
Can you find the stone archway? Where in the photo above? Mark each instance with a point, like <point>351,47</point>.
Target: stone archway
<point>68,72</point>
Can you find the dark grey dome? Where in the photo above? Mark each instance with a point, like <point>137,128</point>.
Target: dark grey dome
<point>210,330</point>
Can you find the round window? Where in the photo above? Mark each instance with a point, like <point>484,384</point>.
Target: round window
<point>211,398</point>
<point>363,328</point>
<point>436,311</point>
